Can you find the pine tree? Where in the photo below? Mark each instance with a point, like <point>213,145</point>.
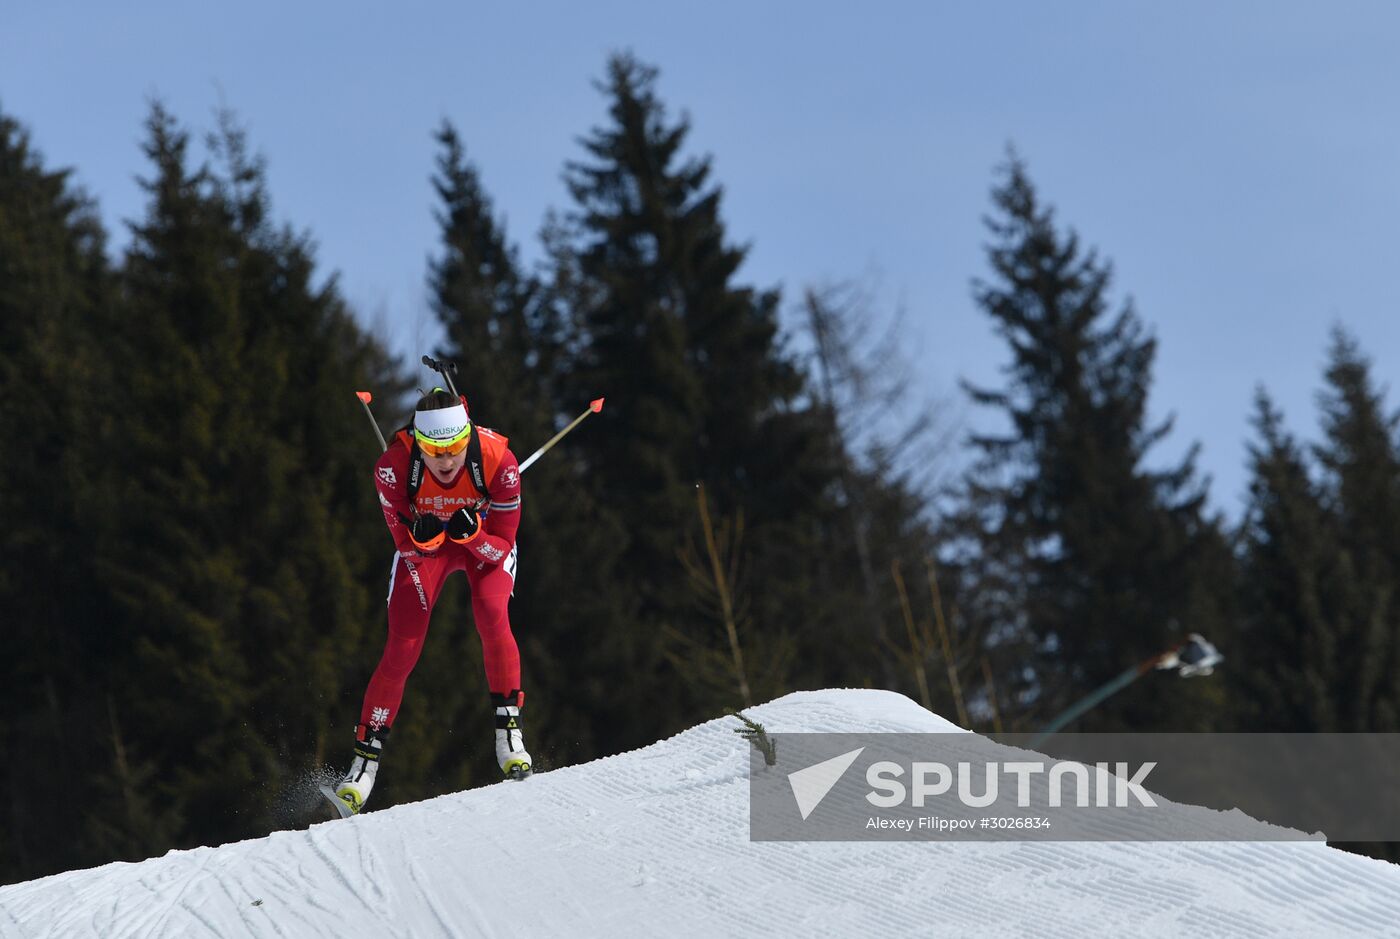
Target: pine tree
<point>54,285</point>
<point>633,322</point>
<point>240,523</point>
<point>1080,561</point>
<point>698,388</point>
<point>499,333</point>
<point>1319,626</point>
<point>1292,572</point>
<point>1361,465</point>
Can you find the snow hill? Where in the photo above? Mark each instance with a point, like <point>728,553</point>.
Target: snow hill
<point>656,842</point>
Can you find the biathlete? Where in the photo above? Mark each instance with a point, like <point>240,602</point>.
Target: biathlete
<point>450,492</point>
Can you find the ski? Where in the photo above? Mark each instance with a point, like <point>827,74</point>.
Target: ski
<point>343,808</point>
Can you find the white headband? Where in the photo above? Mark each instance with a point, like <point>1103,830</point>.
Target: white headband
<point>443,425</point>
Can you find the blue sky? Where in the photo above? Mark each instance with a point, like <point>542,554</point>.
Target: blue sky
<point>1238,163</point>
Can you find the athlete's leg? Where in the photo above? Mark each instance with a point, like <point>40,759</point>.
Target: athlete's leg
<point>413,589</point>
<point>491,589</point>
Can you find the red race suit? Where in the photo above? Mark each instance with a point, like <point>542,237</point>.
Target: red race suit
<point>488,559</point>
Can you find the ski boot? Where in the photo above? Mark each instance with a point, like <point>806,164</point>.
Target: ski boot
<point>510,743</point>
<point>351,793</point>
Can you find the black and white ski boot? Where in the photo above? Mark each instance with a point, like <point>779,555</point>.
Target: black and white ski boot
<point>510,741</point>
<point>351,793</point>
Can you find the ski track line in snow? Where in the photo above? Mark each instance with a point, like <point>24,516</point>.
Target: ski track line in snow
<point>172,904</point>
<point>245,911</point>
<point>326,864</point>
<point>281,890</point>
<point>424,891</point>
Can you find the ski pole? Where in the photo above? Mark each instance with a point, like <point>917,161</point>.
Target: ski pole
<point>593,408</point>
<point>365,398</point>
<point>1195,656</point>
<point>445,369</point>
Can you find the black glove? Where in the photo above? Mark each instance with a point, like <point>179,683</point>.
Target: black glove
<point>463,525</point>
<point>427,532</point>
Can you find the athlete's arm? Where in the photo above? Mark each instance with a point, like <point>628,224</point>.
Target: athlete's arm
<point>391,480</point>
<point>502,519</point>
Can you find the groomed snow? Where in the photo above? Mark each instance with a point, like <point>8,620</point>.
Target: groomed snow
<point>656,843</point>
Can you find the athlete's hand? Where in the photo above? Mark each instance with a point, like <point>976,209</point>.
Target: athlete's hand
<point>427,533</point>
<point>464,525</point>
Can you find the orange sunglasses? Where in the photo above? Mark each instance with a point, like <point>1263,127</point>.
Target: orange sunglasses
<point>452,449</point>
